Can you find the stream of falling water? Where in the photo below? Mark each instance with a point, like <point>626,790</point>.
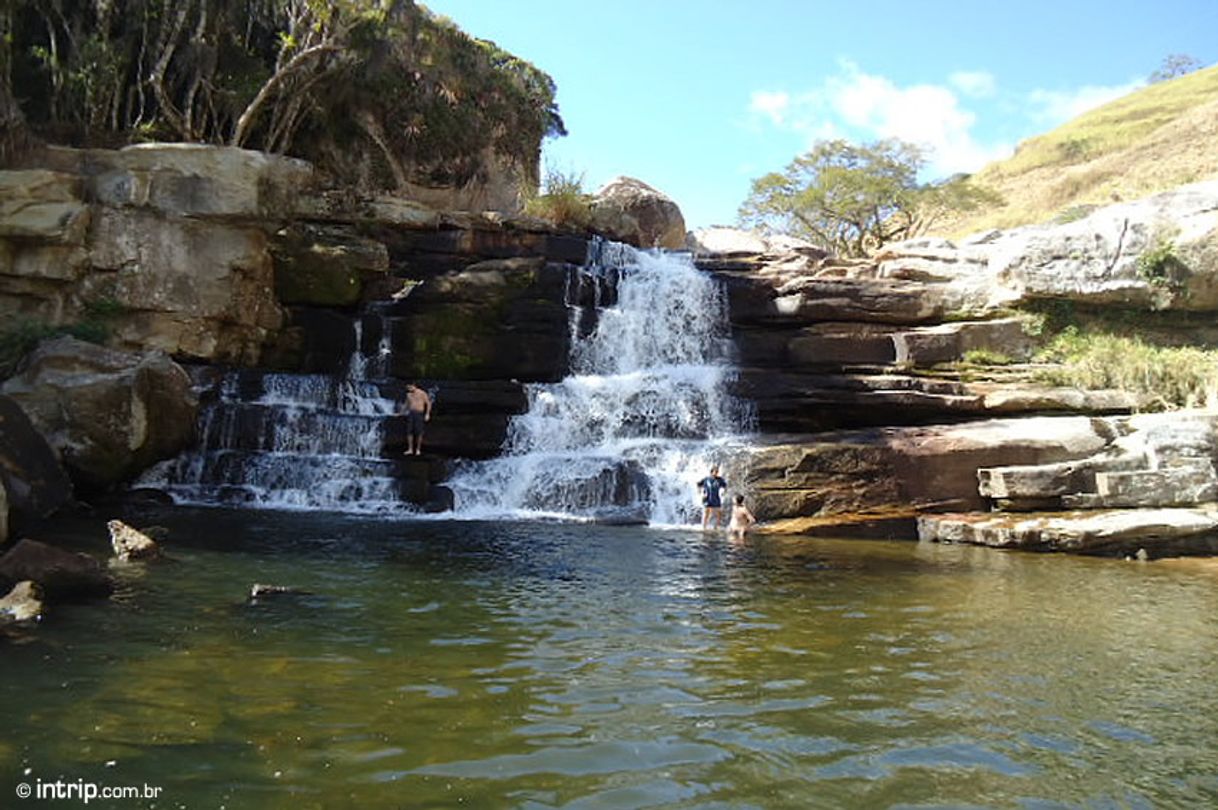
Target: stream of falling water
<point>643,414</point>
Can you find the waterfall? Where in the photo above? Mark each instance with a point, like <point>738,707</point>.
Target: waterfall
<point>290,441</point>
<point>641,417</point>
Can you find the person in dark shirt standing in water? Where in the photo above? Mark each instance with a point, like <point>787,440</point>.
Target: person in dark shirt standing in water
<point>712,487</point>
<point>418,411</point>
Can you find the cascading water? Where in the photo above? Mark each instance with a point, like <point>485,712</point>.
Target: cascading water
<point>642,416</point>
<point>290,441</point>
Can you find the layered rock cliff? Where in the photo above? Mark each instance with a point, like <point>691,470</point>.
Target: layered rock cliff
<point>885,390</point>
<point>904,385</point>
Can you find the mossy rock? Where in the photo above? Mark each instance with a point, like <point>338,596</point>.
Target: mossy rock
<point>325,267</point>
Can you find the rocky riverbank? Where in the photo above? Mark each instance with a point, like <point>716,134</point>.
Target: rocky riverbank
<point>894,389</point>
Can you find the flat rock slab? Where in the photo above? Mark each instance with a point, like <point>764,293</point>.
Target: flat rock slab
<point>1160,532</point>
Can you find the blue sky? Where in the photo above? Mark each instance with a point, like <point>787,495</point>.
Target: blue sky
<point>698,98</point>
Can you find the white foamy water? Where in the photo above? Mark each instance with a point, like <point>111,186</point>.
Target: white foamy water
<point>643,415</point>
<point>291,441</point>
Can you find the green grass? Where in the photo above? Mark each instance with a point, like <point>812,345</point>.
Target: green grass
<point>1156,138</point>
<point>1178,376</point>
<point>1115,125</point>
<point>986,357</point>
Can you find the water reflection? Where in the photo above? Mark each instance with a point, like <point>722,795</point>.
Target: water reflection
<point>551,665</point>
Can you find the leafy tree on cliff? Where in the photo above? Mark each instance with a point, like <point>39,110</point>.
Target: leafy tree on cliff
<point>855,198</point>
<point>382,83</point>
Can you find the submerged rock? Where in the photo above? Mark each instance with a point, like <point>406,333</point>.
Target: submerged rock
<point>22,605</point>
<point>63,575</point>
<point>130,543</point>
<point>624,516</point>
<point>261,590</point>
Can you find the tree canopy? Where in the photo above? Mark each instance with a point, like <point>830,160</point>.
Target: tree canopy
<point>855,198</point>
<point>309,78</point>
<point>1173,65</point>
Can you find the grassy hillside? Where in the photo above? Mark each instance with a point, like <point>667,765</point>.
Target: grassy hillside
<point>1161,136</point>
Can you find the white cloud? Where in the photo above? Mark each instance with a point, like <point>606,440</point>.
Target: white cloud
<point>976,83</point>
<point>944,118</point>
<point>1053,107</point>
<point>859,105</point>
<point>771,105</point>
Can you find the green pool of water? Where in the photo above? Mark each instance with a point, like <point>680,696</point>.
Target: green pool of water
<point>529,665</point>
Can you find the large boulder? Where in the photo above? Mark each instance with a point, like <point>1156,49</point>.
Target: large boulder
<point>109,414</point>
<point>171,238</point>
<point>723,242</point>
<point>1147,252</point>
<point>32,482</point>
<point>63,575</point>
<point>629,210</point>
<point>1155,460</point>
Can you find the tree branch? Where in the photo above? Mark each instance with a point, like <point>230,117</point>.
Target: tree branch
<point>272,85</point>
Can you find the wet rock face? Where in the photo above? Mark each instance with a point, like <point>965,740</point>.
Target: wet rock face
<point>325,265</point>
<point>108,414</point>
<point>496,320</point>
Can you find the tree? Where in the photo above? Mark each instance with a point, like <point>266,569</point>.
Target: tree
<point>855,198</point>
<point>377,93</point>
<point>14,135</point>
<point>1176,64</point>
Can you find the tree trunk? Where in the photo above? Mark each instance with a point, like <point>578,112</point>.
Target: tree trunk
<point>15,135</point>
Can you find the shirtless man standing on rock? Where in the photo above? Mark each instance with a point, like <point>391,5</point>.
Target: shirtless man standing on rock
<point>418,411</point>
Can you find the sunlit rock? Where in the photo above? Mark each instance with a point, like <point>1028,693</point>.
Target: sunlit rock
<point>630,211</point>
<point>130,543</point>
<point>1161,532</point>
<point>22,605</point>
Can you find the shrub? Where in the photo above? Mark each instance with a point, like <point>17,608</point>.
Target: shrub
<point>22,336</point>
<point>1179,376</point>
<point>1159,263</point>
<point>563,201</point>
